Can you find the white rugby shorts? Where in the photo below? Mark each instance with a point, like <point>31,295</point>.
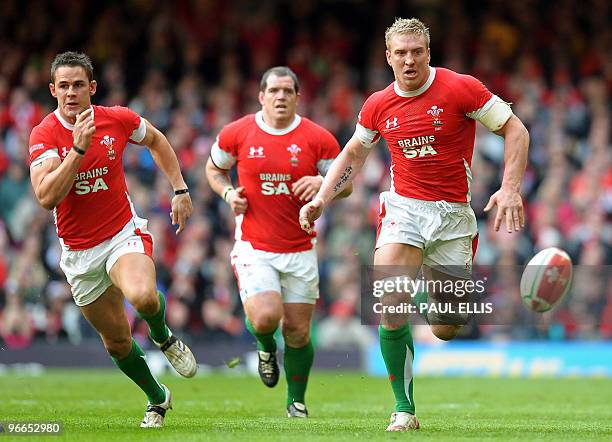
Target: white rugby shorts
<point>87,270</point>
<point>294,275</point>
<point>446,232</point>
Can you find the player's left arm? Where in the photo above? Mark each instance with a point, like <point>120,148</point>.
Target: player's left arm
<point>341,173</point>
<point>166,160</point>
<point>508,198</point>
<point>328,149</point>
<point>497,116</point>
<point>307,187</point>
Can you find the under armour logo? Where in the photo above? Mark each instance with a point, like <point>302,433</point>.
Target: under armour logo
<point>391,123</point>
<point>64,151</point>
<point>256,152</point>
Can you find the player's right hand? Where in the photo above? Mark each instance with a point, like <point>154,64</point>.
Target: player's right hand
<point>309,213</point>
<point>182,207</point>
<point>237,201</point>
<point>84,128</point>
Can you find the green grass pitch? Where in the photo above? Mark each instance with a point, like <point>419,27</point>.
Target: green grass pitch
<point>105,406</point>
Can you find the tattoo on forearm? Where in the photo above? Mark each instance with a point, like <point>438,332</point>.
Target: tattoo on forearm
<point>222,179</point>
<point>344,178</point>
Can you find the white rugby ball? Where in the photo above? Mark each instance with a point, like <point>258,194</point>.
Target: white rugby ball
<point>546,279</point>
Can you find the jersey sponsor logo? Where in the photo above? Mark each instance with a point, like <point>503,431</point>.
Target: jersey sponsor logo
<point>107,141</point>
<point>256,152</point>
<point>418,147</point>
<point>92,173</point>
<point>268,188</point>
<point>64,152</point>
<point>84,184</point>
<point>391,124</point>
<point>294,149</point>
<point>85,187</point>
<point>275,183</point>
<point>417,141</point>
<point>36,147</point>
<point>435,112</point>
<point>275,176</point>
<point>420,152</point>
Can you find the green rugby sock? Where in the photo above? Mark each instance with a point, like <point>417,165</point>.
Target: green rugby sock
<point>398,352</point>
<point>265,341</point>
<point>158,330</point>
<point>135,367</point>
<point>298,362</point>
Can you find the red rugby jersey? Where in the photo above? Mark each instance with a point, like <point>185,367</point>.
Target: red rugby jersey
<point>98,204</point>
<point>430,133</point>
<point>269,161</point>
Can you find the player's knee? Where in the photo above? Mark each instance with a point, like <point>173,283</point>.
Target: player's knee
<point>118,348</point>
<point>392,316</point>
<point>445,332</point>
<point>143,298</point>
<point>296,335</point>
<point>265,321</point>
<point>393,321</point>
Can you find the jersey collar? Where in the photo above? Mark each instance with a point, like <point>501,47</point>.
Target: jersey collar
<point>66,124</point>
<point>272,131</point>
<point>419,91</point>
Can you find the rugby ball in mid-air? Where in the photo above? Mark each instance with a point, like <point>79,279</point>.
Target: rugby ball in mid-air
<point>546,279</point>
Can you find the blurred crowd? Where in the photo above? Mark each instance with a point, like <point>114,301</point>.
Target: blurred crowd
<point>190,67</point>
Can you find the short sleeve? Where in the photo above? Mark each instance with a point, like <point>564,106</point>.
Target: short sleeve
<point>133,124</point>
<point>365,129</point>
<point>494,114</point>
<point>478,103</point>
<point>329,149</point>
<point>472,94</point>
<point>42,146</point>
<point>224,152</point>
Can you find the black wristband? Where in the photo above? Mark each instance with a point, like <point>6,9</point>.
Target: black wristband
<point>78,150</point>
<point>181,191</point>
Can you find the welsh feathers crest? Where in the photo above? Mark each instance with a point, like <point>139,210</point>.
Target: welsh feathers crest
<point>107,141</point>
<point>435,112</point>
<point>294,149</point>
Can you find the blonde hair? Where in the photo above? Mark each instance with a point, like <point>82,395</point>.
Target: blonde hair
<point>406,26</point>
